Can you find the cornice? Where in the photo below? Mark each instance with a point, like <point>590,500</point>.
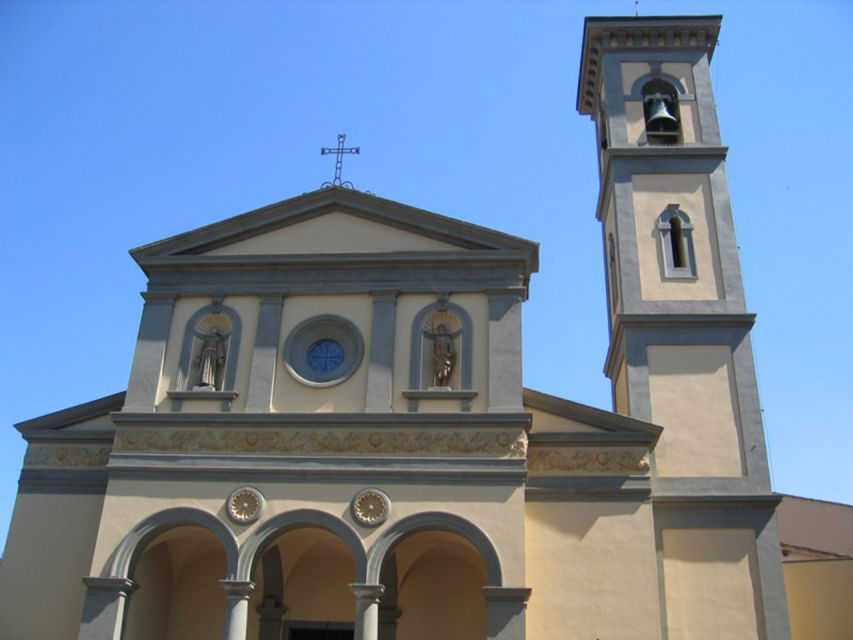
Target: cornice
<point>647,34</point>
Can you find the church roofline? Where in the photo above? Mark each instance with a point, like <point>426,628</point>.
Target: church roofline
<point>73,415</point>
<point>590,415</point>
<point>646,33</point>
<point>314,203</point>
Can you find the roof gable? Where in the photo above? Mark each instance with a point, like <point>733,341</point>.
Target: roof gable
<point>258,231</point>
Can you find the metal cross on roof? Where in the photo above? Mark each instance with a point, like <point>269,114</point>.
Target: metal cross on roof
<point>339,161</point>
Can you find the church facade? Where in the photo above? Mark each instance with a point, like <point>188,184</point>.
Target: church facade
<point>325,432</point>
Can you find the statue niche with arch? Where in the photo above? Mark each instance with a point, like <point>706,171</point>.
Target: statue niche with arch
<point>208,363</point>
<point>441,348</point>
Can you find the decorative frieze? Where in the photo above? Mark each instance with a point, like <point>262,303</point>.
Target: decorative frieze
<point>435,443</point>
<point>588,460</point>
<point>60,456</point>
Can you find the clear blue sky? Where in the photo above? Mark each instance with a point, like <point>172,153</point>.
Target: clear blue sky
<point>126,122</point>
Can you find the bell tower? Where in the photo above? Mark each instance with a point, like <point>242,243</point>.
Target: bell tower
<point>680,353</point>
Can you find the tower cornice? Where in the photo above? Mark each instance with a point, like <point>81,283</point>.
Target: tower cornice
<point>662,33</point>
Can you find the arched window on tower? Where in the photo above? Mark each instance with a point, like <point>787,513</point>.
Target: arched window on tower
<point>611,267</point>
<point>660,108</point>
<point>676,243</point>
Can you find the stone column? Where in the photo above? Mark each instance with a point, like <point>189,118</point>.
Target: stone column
<point>271,615</point>
<point>367,610</point>
<point>150,350</point>
<point>381,367</point>
<point>505,609</point>
<point>104,607</point>
<point>236,608</point>
<point>505,352</point>
<point>265,355</point>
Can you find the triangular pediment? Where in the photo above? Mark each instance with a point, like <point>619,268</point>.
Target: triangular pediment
<point>84,421</point>
<point>574,421</point>
<point>337,221</point>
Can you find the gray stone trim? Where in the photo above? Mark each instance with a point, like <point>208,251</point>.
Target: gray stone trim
<point>202,395</point>
<point>322,201</point>
<point>511,594</point>
<point>709,126</point>
<point>585,438</point>
<point>505,608</point>
<point>260,538</point>
<point>504,353</point>
<point>380,371</point>
<point>309,331</point>
<point>70,481</point>
<point>636,92</point>
<point>585,488</point>
<point>421,272</point>
<point>93,436</point>
<point>415,396</point>
<point>417,338</point>
<point>675,38</point>
<point>104,607</point>
<point>761,518</point>
<point>592,416</point>
<point>727,246</point>
<point>434,521</point>
<point>617,123</point>
<point>147,368</point>
<point>375,420</point>
<point>326,469</point>
<point>636,340</point>
<point>664,228</point>
<point>265,355</point>
<point>232,355</point>
<point>73,415</point>
<point>131,548</point>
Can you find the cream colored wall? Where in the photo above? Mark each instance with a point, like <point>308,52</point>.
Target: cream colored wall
<point>48,551</point>
<point>440,594</point>
<point>652,193</point>
<point>635,120</point>
<point>711,584</point>
<point>247,307</point>
<point>317,569</point>
<point>334,232</point>
<point>620,391</point>
<point>593,571</point>
<point>548,422</point>
<point>631,72</point>
<point>819,595</point>
<point>611,227</point>
<point>816,524</point>
<point>693,397</point>
<point>498,510</point>
<point>147,613</point>
<point>408,306</point>
<point>683,71</point>
<point>290,395</point>
<point>198,600</point>
<point>688,114</point>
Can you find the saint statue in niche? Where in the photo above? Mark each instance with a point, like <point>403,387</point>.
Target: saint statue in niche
<point>210,359</point>
<point>443,356</point>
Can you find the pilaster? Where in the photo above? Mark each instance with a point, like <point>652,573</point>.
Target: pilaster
<point>262,373</point>
<point>104,607</point>
<point>147,366</point>
<point>505,386</point>
<point>506,608</point>
<point>381,366</point>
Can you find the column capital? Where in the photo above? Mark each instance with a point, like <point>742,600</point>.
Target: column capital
<point>237,587</point>
<point>507,594</point>
<point>370,592</point>
<point>110,584</point>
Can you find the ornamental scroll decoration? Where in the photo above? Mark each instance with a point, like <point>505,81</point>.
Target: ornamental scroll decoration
<point>501,444</point>
<point>585,460</point>
<point>66,457</point>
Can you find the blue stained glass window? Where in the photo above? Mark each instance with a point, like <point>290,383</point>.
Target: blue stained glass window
<point>325,355</point>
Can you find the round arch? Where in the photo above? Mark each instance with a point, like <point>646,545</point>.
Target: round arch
<point>259,539</point>
<point>434,521</point>
<point>134,543</point>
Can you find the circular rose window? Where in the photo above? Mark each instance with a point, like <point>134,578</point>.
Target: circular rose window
<point>323,351</point>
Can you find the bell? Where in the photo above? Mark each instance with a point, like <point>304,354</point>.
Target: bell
<point>659,111</point>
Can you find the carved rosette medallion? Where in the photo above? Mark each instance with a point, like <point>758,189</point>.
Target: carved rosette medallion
<point>245,505</point>
<point>371,507</point>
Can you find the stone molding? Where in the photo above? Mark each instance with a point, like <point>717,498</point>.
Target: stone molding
<point>58,456</point>
<point>588,460</point>
<point>505,444</point>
